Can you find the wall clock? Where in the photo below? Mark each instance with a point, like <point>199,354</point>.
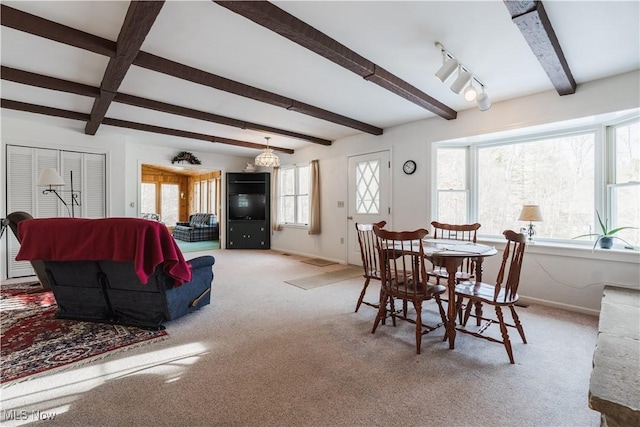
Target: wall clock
<point>409,167</point>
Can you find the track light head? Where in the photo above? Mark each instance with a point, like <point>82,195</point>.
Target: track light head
<point>461,82</point>
<point>484,103</point>
<point>470,93</point>
<point>447,70</point>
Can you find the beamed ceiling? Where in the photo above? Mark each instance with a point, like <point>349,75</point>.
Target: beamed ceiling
<point>220,76</point>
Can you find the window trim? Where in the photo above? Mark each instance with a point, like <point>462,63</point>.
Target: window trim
<point>296,195</point>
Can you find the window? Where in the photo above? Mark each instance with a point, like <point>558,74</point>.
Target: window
<point>453,195</point>
<point>624,187</point>
<point>169,203</point>
<point>368,187</point>
<point>565,172</point>
<point>148,199</point>
<point>294,195</point>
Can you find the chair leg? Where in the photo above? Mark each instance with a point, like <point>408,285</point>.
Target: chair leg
<point>364,291</point>
<point>459,308</point>
<point>467,313</point>
<point>505,334</point>
<point>417,304</point>
<point>382,312</point>
<point>516,320</point>
<point>478,305</point>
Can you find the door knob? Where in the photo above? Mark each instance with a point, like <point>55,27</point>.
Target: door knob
<point>349,217</point>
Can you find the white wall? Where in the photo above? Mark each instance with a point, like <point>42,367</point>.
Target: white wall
<point>572,278</point>
<point>567,277</point>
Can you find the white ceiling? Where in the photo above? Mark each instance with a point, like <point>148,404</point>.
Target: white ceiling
<point>599,39</point>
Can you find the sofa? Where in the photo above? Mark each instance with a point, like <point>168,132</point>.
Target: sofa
<point>201,226</point>
<point>126,271</point>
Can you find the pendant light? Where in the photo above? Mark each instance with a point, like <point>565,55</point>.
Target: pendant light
<point>267,158</point>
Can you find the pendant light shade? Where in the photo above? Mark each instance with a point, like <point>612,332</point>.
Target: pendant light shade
<point>267,158</point>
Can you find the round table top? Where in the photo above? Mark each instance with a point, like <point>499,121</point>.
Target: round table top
<point>457,248</point>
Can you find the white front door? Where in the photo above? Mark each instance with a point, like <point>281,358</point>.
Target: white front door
<point>369,198</point>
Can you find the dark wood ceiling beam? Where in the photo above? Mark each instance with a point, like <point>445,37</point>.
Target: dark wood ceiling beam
<point>277,20</point>
<point>73,115</point>
<point>533,22</point>
<point>210,117</point>
<point>187,134</point>
<point>22,21</point>
<point>52,83</point>
<point>39,109</point>
<point>46,82</point>
<point>194,75</point>
<point>137,23</point>
<point>31,24</point>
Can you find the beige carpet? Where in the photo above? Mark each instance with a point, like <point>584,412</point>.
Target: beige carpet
<point>323,279</point>
<point>266,354</point>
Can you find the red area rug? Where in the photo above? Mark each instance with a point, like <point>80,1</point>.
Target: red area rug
<point>33,341</point>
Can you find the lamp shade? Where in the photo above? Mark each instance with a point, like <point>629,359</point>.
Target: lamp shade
<point>530,213</point>
<point>447,69</point>
<point>49,177</point>
<point>267,159</point>
<point>484,103</point>
<point>461,82</point>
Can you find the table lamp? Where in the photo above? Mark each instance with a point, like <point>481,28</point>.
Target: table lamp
<point>530,213</point>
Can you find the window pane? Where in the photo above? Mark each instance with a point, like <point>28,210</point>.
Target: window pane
<point>170,203</point>
<point>556,173</point>
<point>368,187</point>
<point>288,209</point>
<point>626,213</point>
<point>196,197</point>
<point>452,169</point>
<point>452,207</point>
<point>288,183</point>
<point>303,180</point>
<point>628,153</point>
<point>303,209</point>
<point>148,198</point>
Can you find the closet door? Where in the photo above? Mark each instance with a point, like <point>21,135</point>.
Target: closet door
<point>24,165</point>
<point>94,198</point>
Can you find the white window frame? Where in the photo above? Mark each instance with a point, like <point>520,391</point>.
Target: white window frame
<point>604,164</point>
<point>297,193</point>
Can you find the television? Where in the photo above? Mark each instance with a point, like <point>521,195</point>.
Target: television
<point>247,206</point>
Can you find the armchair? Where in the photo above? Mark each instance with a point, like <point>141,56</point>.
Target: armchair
<point>201,226</point>
<point>126,271</point>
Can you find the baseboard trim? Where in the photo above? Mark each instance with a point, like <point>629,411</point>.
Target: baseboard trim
<point>562,306</point>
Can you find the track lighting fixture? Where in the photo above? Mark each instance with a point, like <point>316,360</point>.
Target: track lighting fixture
<point>464,81</point>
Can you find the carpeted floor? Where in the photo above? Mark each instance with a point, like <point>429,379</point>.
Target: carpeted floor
<point>34,342</point>
<point>323,279</point>
<point>205,245</point>
<point>266,353</point>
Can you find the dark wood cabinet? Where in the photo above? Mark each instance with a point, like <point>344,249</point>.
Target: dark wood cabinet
<point>248,210</point>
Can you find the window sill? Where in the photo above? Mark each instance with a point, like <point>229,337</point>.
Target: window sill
<point>298,226</point>
<point>574,251</point>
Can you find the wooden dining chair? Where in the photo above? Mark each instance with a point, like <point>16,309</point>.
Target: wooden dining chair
<point>503,294</point>
<point>404,277</point>
<point>370,259</point>
<point>463,233</point>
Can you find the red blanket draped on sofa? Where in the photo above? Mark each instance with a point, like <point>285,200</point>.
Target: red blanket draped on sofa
<point>145,243</point>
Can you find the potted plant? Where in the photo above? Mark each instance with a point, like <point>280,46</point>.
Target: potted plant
<point>606,236</point>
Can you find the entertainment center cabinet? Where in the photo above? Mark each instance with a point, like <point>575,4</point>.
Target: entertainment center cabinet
<point>248,210</point>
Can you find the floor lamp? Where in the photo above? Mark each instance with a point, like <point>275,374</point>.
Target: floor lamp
<point>49,177</point>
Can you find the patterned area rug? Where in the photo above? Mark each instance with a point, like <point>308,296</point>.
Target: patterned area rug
<point>33,342</point>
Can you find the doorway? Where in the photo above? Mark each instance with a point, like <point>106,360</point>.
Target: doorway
<point>369,196</point>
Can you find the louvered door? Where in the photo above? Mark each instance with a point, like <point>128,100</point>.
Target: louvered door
<point>24,165</point>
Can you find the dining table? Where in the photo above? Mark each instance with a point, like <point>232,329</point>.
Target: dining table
<point>451,254</point>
